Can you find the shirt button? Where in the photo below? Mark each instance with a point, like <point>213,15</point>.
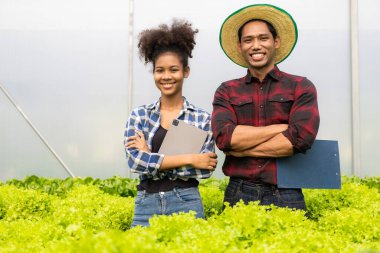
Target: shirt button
<point>260,166</point>
<point>261,106</point>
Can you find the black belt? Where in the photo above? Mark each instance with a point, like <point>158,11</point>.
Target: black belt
<point>165,184</point>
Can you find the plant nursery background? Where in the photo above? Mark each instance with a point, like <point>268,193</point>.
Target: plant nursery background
<point>72,68</point>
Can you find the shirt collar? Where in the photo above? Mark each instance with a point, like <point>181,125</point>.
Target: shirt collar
<point>275,73</point>
<point>186,105</point>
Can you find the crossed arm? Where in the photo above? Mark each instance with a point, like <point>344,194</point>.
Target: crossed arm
<point>276,140</point>
<point>200,161</point>
<point>265,141</point>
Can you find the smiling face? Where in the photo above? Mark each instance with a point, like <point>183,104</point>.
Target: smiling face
<point>258,46</point>
<point>169,74</point>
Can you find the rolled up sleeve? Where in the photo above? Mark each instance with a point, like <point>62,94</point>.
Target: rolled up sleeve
<point>304,117</point>
<point>209,145</point>
<point>139,161</point>
<point>223,119</point>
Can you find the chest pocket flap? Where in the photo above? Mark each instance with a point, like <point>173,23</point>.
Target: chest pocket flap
<point>244,110</point>
<point>281,98</point>
<point>240,101</point>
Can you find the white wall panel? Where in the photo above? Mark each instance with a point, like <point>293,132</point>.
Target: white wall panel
<point>322,54</point>
<point>65,63</point>
<point>369,41</point>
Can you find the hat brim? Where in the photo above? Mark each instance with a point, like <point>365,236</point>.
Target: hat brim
<point>284,24</point>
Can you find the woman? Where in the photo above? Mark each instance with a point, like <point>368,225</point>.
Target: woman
<point>168,183</point>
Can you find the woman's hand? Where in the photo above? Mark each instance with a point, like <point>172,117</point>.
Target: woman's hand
<point>138,141</point>
<point>204,161</point>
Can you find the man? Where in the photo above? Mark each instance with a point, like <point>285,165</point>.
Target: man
<point>267,113</point>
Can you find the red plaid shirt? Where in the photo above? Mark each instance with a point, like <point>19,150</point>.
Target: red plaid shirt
<point>280,98</point>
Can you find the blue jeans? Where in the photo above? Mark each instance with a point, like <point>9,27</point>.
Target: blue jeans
<point>166,203</point>
<point>267,194</point>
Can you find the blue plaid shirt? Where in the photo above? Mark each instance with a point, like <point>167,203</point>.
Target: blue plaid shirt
<point>147,119</point>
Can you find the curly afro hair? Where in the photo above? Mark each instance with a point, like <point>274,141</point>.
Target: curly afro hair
<point>179,38</point>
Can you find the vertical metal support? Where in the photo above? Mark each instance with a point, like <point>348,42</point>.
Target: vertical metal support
<point>130,58</point>
<point>36,130</point>
<point>355,85</point>
<point>130,63</point>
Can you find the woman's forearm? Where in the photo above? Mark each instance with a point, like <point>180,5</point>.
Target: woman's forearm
<point>198,161</point>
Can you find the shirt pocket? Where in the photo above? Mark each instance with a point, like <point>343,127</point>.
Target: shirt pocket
<point>244,110</point>
<point>279,108</point>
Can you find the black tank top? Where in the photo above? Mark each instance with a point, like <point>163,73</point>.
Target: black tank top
<point>165,184</point>
<point>158,138</point>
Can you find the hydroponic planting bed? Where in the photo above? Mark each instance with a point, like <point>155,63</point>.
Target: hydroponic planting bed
<point>93,215</point>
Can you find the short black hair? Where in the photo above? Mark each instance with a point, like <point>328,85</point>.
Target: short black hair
<point>271,28</point>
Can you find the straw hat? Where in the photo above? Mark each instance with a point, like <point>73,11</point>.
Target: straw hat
<point>281,20</point>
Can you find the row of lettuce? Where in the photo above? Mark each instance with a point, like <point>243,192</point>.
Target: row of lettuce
<point>94,215</point>
<point>126,187</point>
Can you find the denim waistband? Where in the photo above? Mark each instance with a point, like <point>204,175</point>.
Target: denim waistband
<point>251,183</point>
<point>175,190</point>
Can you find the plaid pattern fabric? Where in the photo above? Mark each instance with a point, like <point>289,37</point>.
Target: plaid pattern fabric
<point>280,99</point>
<point>147,119</point>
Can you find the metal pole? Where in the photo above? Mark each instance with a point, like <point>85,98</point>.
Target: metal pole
<point>355,96</point>
<point>130,58</point>
<point>36,130</point>
<point>130,63</point>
